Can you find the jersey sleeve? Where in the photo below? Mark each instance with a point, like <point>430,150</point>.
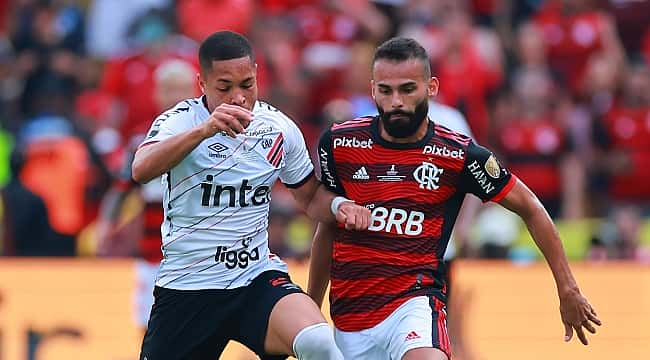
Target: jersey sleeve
<point>171,122</point>
<point>124,180</point>
<point>483,176</point>
<point>298,167</point>
<point>327,166</point>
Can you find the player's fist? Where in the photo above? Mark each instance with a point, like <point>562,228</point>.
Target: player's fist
<point>230,119</point>
<point>353,216</point>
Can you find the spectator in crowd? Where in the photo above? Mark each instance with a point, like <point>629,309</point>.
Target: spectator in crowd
<point>108,23</point>
<point>537,147</point>
<point>574,30</point>
<point>129,78</point>
<point>632,20</point>
<point>619,237</point>
<point>24,227</point>
<point>197,20</point>
<point>467,52</point>
<point>53,146</point>
<point>622,138</point>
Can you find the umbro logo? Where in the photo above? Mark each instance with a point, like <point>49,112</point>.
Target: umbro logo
<point>412,336</point>
<point>361,174</point>
<point>217,147</point>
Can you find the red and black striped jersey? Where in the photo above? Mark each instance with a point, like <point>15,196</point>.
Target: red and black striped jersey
<point>414,192</point>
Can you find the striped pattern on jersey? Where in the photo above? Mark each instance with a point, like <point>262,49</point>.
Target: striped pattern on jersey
<point>374,272</point>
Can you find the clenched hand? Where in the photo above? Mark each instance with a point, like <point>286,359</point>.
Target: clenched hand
<point>354,217</point>
<point>231,119</point>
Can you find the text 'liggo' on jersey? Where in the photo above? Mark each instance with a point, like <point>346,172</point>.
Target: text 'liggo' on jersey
<point>414,192</point>
<point>216,199</point>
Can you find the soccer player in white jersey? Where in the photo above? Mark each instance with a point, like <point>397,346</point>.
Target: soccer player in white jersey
<point>219,155</point>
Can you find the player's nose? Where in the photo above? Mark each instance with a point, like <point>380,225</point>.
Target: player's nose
<point>396,101</point>
<point>239,100</point>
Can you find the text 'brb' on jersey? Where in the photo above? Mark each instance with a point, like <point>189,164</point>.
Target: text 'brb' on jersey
<point>216,200</point>
<point>414,192</point>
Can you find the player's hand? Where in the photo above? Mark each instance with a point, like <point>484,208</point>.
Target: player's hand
<point>353,216</point>
<point>227,118</point>
<point>577,313</point>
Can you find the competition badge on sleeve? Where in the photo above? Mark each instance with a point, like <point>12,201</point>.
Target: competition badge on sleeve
<point>492,167</point>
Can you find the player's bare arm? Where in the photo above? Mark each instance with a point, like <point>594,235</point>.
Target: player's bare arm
<point>320,262</point>
<point>155,159</point>
<point>575,310</point>
<point>317,202</point>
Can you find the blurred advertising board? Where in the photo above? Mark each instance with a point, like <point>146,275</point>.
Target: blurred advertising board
<point>53,309</point>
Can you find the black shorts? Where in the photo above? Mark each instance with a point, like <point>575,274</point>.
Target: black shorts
<point>197,324</point>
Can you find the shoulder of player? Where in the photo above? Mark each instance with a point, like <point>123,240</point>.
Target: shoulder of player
<point>266,111</point>
<point>354,124</point>
<point>182,110</point>
<point>451,136</point>
<point>271,116</point>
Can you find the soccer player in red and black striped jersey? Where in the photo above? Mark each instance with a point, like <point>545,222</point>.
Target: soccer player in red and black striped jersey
<point>388,293</point>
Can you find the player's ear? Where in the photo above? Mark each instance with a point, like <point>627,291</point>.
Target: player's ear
<point>372,89</point>
<point>434,84</point>
<point>201,80</point>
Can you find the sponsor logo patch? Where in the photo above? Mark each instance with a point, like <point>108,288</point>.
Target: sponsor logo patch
<point>412,336</point>
<point>361,174</point>
<point>326,174</point>
<point>479,175</point>
<point>443,151</point>
<point>352,142</point>
<point>216,150</point>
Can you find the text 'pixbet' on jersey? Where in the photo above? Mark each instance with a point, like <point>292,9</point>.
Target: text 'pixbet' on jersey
<point>352,142</point>
<point>212,193</point>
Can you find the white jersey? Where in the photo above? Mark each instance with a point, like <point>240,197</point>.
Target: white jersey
<point>216,200</point>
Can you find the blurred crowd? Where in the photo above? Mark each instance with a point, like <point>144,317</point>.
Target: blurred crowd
<point>559,89</point>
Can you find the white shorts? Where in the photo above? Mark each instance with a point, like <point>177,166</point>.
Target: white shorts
<point>145,278</point>
<point>419,322</point>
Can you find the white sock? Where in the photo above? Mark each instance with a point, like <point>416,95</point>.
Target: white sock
<point>316,342</point>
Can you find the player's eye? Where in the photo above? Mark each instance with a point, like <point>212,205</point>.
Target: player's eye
<point>384,91</point>
<point>408,89</point>
<point>223,89</point>
<point>247,86</point>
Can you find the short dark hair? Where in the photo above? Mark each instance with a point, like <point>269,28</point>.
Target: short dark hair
<point>401,49</point>
<point>224,45</point>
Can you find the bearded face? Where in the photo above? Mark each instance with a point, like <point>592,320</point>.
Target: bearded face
<point>401,124</point>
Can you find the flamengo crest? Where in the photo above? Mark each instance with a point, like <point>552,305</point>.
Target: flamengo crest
<point>428,175</point>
